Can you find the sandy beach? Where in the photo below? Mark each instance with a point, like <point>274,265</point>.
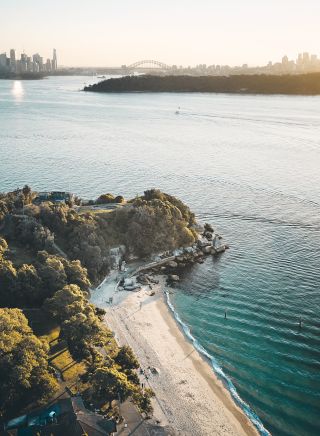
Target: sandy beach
<point>189,397</point>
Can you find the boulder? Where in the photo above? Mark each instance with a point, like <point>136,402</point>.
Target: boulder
<point>128,282</point>
<point>207,250</point>
<point>144,280</point>
<point>208,227</point>
<point>172,264</point>
<point>208,235</point>
<point>174,278</point>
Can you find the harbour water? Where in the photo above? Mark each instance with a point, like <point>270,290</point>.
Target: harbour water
<point>247,164</point>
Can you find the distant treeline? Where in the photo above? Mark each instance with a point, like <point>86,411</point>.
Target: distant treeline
<point>302,84</point>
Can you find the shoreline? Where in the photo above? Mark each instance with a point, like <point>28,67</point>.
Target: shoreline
<point>190,398</point>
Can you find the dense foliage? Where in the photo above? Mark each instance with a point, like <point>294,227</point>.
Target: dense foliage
<point>41,275</point>
<point>109,198</point>
<point>29,285</point>
<point>304,84</point>
<point>148,224</point>
<point>24,371</point>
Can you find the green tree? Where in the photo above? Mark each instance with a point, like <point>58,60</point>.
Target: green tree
<point>76,273</point>
<point>105,199</point>
<point>126,359</point>
<point>66,302</point>
<point>24,372</point>
<point>8,283</point>
<point>143,400</point>
<point>29,286</point>
<point>3,247</point>
<point>51,271</point>
<point>82,332</point>
<point>109,384</point>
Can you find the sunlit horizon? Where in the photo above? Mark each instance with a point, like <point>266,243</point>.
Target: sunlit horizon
<point>184,33</point>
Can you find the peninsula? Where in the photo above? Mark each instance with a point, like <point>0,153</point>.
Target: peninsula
<point>300,84</point>
<point>84,320</point>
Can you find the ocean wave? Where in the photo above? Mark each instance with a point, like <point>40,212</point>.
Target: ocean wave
<point>219,372</point>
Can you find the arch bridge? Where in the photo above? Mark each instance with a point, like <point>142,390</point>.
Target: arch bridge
<point>147,64</point>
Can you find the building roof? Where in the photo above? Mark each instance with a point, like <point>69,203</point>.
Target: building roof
<point>70,418</point>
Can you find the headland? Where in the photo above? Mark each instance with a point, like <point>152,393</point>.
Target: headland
<point>300,84</point>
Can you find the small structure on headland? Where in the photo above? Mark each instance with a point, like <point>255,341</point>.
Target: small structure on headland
<point>54,197</point>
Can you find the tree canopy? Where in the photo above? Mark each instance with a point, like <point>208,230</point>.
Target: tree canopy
<point>24,372</point>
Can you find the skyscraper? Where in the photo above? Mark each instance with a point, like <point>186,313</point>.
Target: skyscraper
<point>54,60</point>
<point>13,64</point>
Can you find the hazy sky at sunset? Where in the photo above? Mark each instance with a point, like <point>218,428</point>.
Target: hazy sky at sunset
<point>115,32</point>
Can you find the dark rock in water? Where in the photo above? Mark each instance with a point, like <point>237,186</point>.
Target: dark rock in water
<point>200,260</point>
<point>208,228</point>
<point>199,243</point>
<point>208,235</point>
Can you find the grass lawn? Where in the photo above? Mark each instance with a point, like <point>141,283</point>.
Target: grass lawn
<point>59,357</point>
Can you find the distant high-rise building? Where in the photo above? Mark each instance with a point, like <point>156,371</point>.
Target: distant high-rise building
<point>48,65</point>
<point>306,58</point>
<point>38,61</point>
<point>13,65</point>
<point>3,61</point>
<point>29,65</point>
<point>54,60</point>
<point>23,63</point>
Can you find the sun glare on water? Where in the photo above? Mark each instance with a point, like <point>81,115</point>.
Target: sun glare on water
<point>17,90</point>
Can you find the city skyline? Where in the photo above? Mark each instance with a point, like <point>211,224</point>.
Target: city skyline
<point>27,64</point>
<point>303,63</point>
<point>103,33</point>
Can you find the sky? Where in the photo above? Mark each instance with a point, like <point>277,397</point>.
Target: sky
<point>180,32</point>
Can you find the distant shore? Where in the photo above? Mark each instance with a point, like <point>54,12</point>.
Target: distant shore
<point>302,84</point>
<point>189,397</point>
<point>23,76</point>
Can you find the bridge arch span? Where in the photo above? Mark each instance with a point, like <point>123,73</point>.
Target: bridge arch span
<point>155,64</point>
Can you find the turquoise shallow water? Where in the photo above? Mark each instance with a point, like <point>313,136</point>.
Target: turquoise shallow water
<point>248,164</point>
